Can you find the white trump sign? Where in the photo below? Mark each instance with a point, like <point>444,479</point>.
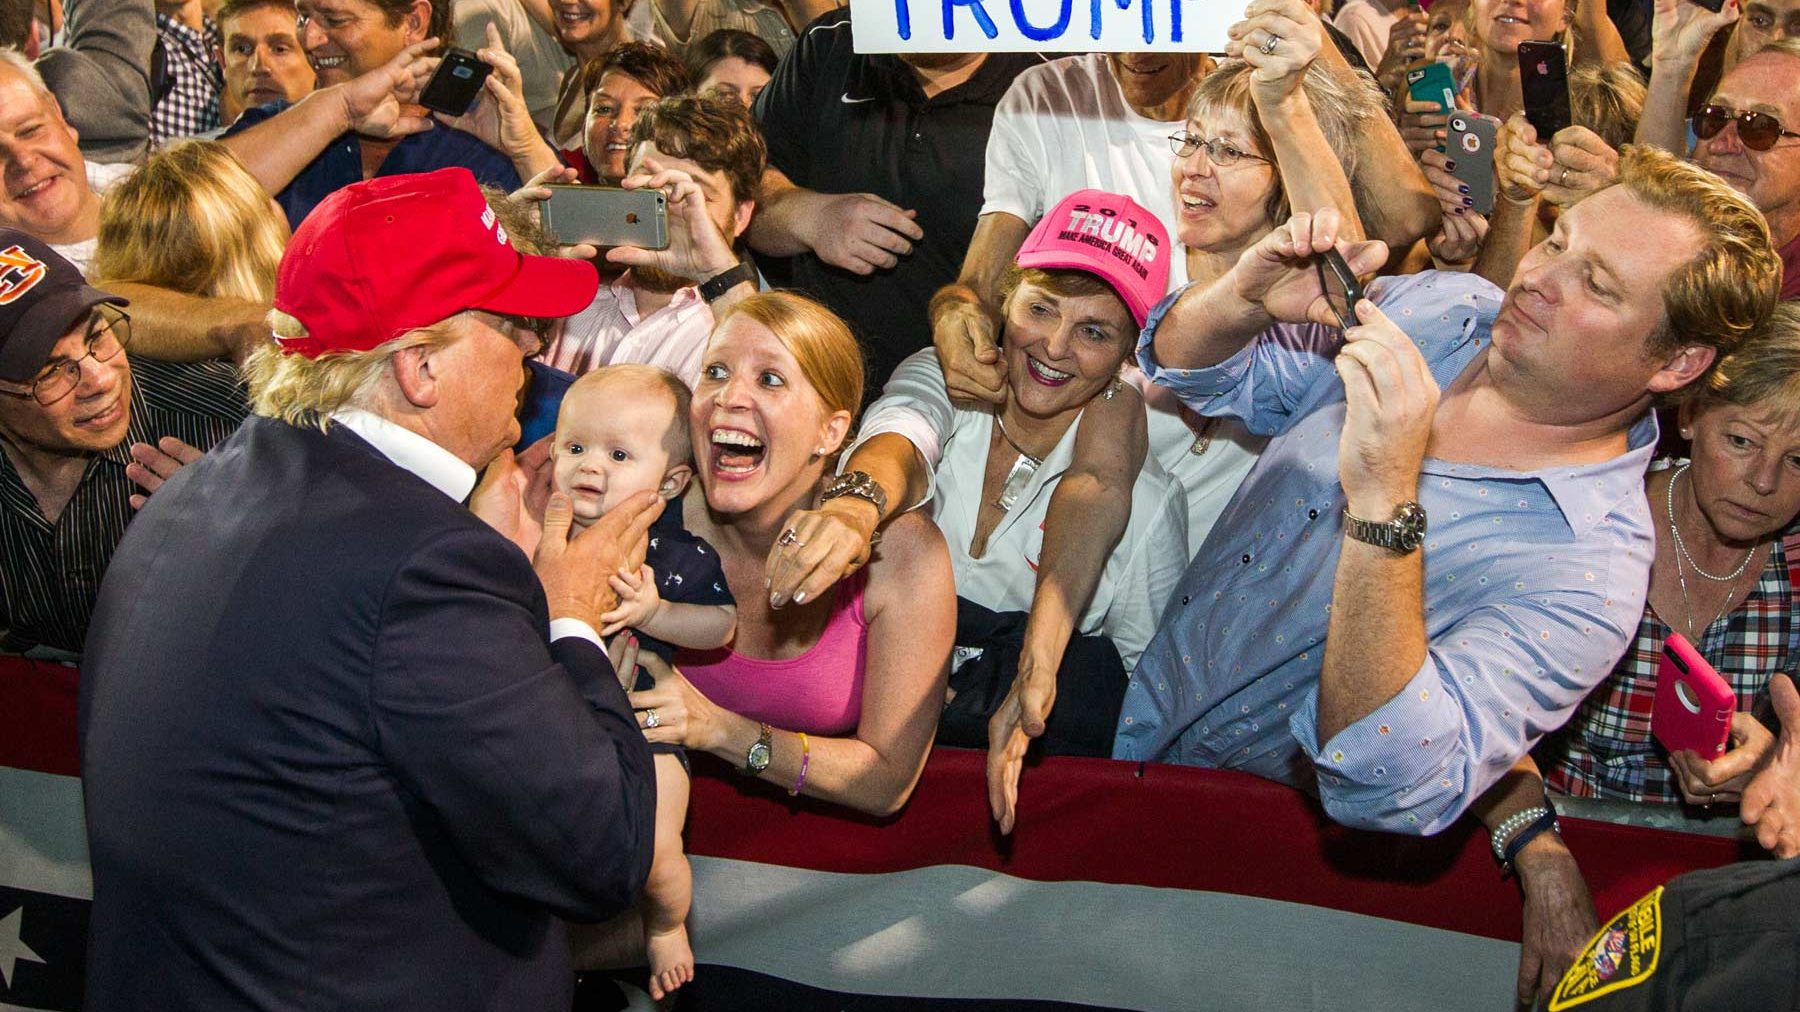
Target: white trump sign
<point>1052,26</point>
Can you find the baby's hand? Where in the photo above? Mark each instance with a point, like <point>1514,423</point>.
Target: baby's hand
<point>638,601</point>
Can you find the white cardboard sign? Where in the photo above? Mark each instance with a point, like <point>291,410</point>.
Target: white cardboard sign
<point>1050,26</point>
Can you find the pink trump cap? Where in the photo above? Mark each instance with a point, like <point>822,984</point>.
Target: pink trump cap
<point>1108,235</point>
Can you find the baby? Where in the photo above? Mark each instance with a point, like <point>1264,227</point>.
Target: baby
<point>623,429</point>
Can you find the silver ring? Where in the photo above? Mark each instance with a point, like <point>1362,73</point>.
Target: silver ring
<point>1563,180</point>
<point>1270,43</point>
<point>651,719</point>
<point>788,537</point>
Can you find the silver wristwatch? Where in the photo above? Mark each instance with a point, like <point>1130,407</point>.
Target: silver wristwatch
<point>756,757</point>
<point>1402,534</point>
<point>860,485</point>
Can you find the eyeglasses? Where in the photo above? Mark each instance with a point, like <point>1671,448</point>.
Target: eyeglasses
<point>1218,150</point>
<point>1758,130</point>
<point>108,332</point>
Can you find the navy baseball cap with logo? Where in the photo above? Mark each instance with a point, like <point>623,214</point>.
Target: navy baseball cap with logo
<point>42,297</point>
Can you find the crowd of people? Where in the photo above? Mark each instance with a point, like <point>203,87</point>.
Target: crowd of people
<point>1163,406</point>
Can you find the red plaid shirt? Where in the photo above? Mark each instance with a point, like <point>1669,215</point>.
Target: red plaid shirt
<point>1606,751</point>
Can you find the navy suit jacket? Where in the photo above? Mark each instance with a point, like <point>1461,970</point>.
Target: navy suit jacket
<point>331,758</point>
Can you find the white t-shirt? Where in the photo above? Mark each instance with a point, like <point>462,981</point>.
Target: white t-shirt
<point>1141,572</point>
<point>1368,25</point>
<point>1064,127</point>
<point>101,178</point>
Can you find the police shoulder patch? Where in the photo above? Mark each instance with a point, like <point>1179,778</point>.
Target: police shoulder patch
<point>1622,955</point>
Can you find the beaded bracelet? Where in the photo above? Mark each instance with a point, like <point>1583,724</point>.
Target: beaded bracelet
<point>1544,822</point>
<point>805,761</point>
<point>1514,822</point>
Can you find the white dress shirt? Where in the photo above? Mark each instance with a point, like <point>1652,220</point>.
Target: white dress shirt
<point>442,470</point>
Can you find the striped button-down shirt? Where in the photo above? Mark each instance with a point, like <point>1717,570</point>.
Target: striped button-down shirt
<point>50,572</point>
<point>610,330</point>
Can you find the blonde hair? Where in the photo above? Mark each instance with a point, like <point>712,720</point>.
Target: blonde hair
<point>1341,103</point>
<point>305,391</point>
<point>827,351</point>
<point>1731,286</point>
<point>1607,99</point>
<point>1765,369</point>
<point>192,219</point>
<point>646,378</point>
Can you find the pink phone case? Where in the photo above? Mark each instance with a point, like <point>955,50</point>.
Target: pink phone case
<point>1693,704</point>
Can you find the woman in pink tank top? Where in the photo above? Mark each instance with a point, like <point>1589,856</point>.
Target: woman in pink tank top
<point>834,693</point>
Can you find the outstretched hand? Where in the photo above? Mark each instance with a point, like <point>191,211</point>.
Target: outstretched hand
<point>1558,914</point>
<point>152,465</point>
<point>1772,798</point>
<point>1019,719</point>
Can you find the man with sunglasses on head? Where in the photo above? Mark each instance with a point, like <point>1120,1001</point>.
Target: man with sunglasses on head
<point>71,404</point>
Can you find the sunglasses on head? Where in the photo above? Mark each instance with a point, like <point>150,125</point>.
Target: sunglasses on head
<point>1758,130</point>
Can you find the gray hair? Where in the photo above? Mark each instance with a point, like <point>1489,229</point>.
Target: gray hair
<point>1341,102</point>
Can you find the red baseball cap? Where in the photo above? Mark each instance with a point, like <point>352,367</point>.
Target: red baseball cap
<point>1108,235</point>
<point>388,255</point>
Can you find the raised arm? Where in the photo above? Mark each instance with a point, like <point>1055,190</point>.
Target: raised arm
<point>1679,34</point>
<point>1600,43</point>
<point>1521,170</point>
<point>1273,280</point>
<point>1312,175</point>
<point>910,603</point>
<point>1398,206</point>
<point>276,149</point>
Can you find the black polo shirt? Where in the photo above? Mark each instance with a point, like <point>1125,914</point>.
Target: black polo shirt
<point>839,122</point>
<point>51,572</point>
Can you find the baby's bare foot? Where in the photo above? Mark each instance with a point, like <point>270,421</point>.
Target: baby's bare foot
<point>671,961</point>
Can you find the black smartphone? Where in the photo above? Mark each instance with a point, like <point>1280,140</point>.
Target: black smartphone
<point>607,216</point>
<point>1544,78</point>
<point>1712,5</point>
<point>1342,290</point>
<point>456,84</point>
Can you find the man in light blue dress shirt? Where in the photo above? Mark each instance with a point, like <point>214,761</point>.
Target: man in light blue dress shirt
<point>1401,684</point>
